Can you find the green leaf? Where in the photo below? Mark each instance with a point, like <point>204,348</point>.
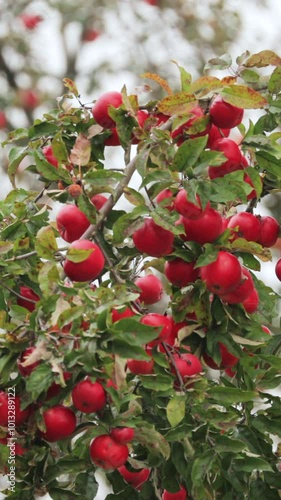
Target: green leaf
<point>262,59</point>
<point>249,464</point>
<point>274,84</point>
<point>267,425</point>
<point>39,380</point>
<point>205,85</point>
<point>133,332</point>
<point>185,78</point>
<point>225,444</point>
<point>133,196</point>
<point>152,439</point>
<point>78,255</point>
<point>249,76</point>
<point>123,226</point>
<point>222,62</point>
<point>201,467</point>
<point>48,278</point>
<point>59,148</point>
<point>46,243</point>
<point>176,410</point>
<point>231,395</point>
<point>243,97</point>
<point>157,382</point>
<point>188,153</point>
<point>179,103</point>
<point>16,155</point>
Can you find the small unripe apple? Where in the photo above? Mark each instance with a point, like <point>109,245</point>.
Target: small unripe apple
<point>101,107</point>
<point>88,269</point>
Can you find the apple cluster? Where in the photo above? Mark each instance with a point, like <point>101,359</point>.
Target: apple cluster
<point>114,331</point>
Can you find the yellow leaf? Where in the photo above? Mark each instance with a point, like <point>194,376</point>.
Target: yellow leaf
<point>163,83</point>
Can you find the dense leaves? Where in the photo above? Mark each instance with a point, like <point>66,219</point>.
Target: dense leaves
<point>209,432</point>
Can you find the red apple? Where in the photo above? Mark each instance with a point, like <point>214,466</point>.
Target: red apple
<point>28,298</point>
<point>10,403</point>
<point>55,388</point>
<point>60,423</point>
<point>123,435</point>
<point>248,226</point>
<point>188,208</point>
<point>216,133</point>
<point>233,154</point>
<point>187,365</point>
<point>228,360</point>
<point>71,223</point>
<point>3,120</point>
<point>166,198</point>
<point>101,107</point>
<point>113,139</point>
<point>158,320</point>
<point>140,367</point>
<point>251,302</point>
<point>278,269</point>
<point>98,200</point>
<point>178,495</point>
<point>206,229</point>
<point>106,453</point>
<point>29,99</point>
<point>181,273</point>
<point>223,275</point>
<point>225,115</point>
<point>182,132</point>
<point>90,35</point>
<point>152,239</point>
<point>88,269</point>
<point>49,155</point>
<point>269,231</point>
<point>242,291</point>
<point>88,396</point>
<point>151,289</point>
<point>117,314</point>
<point>135,478</point>
<point>30,21</point>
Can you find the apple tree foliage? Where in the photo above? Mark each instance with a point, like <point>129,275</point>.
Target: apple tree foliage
<point>210,433</point>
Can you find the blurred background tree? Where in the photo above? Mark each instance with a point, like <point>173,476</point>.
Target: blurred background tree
<point>95,43</point>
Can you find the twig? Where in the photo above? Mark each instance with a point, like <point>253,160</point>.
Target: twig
<point>172,361</point>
